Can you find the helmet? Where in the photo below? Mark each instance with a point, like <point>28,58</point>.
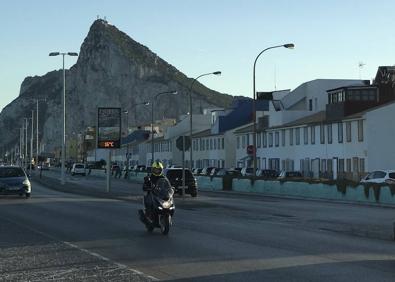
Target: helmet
<point>157,168</point>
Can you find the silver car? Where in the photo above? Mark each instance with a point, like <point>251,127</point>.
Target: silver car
<point>14,180</point>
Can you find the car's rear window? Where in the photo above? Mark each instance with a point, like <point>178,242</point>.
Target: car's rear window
<point>79,166</point>
<point>178,173</point>
<point>11,172</point>
<point>392,175</point>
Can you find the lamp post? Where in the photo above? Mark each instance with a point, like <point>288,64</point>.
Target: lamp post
<point>152,119</point>
<point>190,112</point>
<point>37,100</point>
<point>127,129</point>
<point>289,46</point>
<point>26,121</point>
<point>62,181</point>
<point>31,144</point>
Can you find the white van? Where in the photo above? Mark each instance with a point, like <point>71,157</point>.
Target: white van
<point>78,168</point>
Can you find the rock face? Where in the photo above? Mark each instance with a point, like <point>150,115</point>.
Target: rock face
<point>112,70</point>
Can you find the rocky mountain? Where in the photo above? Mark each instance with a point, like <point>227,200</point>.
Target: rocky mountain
<point>112,70</point>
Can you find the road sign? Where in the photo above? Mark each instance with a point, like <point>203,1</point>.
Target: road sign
<point>180,143</point>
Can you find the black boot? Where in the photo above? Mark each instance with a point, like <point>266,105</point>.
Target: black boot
<point>142,217</point>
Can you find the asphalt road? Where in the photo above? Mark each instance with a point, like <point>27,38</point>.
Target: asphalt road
<point>57,236</point>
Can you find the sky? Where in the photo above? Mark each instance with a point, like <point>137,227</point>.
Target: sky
<point>331,38</point>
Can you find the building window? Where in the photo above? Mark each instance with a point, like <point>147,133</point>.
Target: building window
<point>323,165</point>
<point>361,165</point>
<point>215,143</point>
<point>312,134</point>
<point>244,141</point>
<point>360,130</point>
<point>355,164</point>
<point>258,140</point>
<point>291,136</point>
<point>297,133</point>
<point>264,140</point>
<point>283,137</point>
<point>322,134</point>
<point>340,132</point>
<point>310,104</point>
<point>329,128</point>
<point>270,139</point>
<point>348,161</point>
<point>348,131</point>
<point>211,144</point>
<point>223,143</point>
<point>340,168</point>
<point>305,135</point>
<point>248,138</point>
<point>277,138</point>
<point>238,142</point>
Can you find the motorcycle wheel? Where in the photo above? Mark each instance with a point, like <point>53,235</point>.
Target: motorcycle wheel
<point>165,224</point>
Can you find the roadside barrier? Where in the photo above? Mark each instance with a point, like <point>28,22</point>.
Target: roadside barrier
<point>372,194</point>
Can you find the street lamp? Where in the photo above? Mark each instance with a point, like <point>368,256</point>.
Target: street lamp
<point>127,129</point>
<point>289,46</point>
<point>62,181</point>
<point>190,112</point>
<point>25,158</point>
<point>37,145</point>
<point>152,119</point>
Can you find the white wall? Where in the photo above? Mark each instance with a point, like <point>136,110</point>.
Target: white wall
<point>380,137</point>
<point>344,150</point>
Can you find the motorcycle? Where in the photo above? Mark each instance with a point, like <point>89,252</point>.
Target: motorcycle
<point>160,216</point>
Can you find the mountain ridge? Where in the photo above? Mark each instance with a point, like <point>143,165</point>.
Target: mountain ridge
<point>112,70</point>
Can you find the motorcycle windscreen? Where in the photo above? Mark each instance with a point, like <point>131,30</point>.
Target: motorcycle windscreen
<point>163,189</point>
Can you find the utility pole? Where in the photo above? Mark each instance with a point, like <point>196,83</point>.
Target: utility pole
<point>31,145</point>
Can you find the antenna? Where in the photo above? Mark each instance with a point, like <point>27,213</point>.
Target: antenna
<point>360,66</point>
<point>275,77</point>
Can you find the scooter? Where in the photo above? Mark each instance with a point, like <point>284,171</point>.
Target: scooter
<point>163,208</point>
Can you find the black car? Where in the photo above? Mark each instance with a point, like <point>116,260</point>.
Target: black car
<point>13,180</point>
<point>175,177</point>
<point>267,173</point>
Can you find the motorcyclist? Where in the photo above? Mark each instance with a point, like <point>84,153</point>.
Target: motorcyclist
<point>149,183</point>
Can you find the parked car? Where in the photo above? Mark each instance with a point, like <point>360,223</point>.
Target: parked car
<point>196,171</point>
<point>206,171</point>
<point>14,180</point>
<point>94,165</point>
<point>175,177</point>
<point>290,174</point>
<point>214,171</point>
<point>139,168</point>
<point>78,168</point>
<point>221,172</point>
<point>44,166</point>
<point>267,173</point>
<point>247,171</point>
<point>234,172</point>
<point>380,176</point>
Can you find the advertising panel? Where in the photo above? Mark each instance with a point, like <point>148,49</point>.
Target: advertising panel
<point>109,128</point>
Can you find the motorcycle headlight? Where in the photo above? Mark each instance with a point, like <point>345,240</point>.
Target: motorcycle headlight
<point>166,205</point>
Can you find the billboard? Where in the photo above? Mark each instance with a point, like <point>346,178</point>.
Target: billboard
<point>109,128</point>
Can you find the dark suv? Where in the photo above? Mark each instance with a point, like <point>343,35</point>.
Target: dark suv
<point>175,177</point>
